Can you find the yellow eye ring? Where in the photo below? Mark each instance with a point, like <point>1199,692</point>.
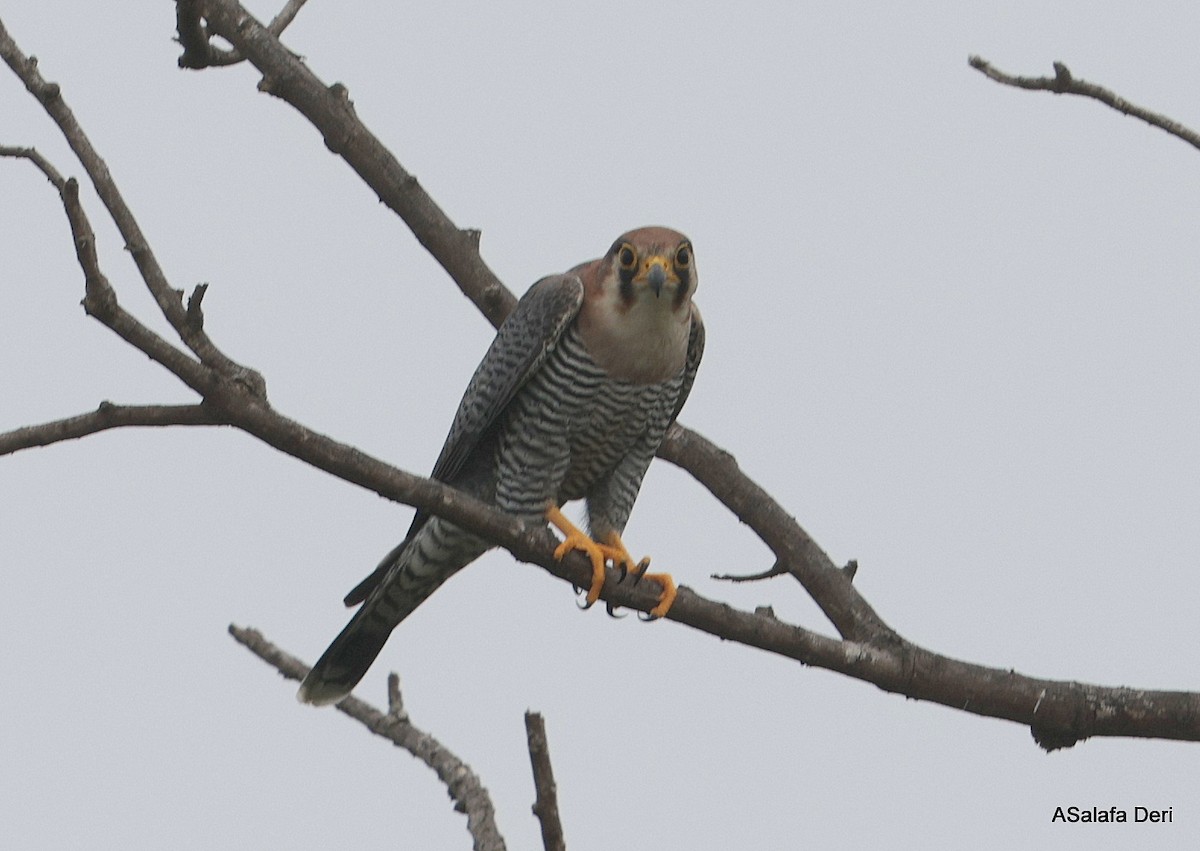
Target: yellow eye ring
<point>627,257</point>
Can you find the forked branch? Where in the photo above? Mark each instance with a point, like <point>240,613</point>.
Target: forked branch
<point>1065,83</point>
<point>462,784</point>
<point>1058,713</point>
<point>198,49</point>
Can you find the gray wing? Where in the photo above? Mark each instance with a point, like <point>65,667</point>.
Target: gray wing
<point>524,340</point>
<point>694,353</point>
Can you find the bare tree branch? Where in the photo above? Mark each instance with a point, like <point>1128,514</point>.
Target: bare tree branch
<point>828,585</point>
<point>170,301</point>
<point>1064,83</point>
<point>777,569</point>
<point>1064,712</point>
<point>1058,713</point>
<point>100,302</point>
<point>103,418</point>
<point>38,160</point>
<point>330,110</point>
<point>546,805</point>
<point>395,698</point>
<point>199,52</point>
<point>327,108</point>
<point>462,784</point>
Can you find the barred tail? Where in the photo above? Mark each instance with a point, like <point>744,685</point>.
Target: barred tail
<point>431,557</point>
<point>347,659</point>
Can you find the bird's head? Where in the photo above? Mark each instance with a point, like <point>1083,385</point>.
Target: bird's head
<point>652,264</point>
<point>637,308</point>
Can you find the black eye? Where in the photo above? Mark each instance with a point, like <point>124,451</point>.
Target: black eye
<point>626,257</point>
<point>683,256</point>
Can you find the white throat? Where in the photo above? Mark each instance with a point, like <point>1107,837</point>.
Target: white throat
<point>642,343</point>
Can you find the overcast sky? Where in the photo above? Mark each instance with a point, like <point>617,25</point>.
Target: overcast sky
<point>951,327</point>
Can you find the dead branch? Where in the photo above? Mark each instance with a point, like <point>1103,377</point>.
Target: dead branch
<point>106,416</point>
<point>546,805</point>
<point>43,164</point>
<point>200,52</point>
<point>462,784</point>
<point>1064,83</point>
<point>1058,713</point>
<point>170,301</point>
<point>329,109</point>
<point>774,570</point>
<point>288,78</point>
<point>331,112</point>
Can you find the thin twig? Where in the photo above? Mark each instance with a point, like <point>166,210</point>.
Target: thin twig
<point>34,156</point>
<point>777,569</point>
<point>794,549</point>
<point>286,15</point>
<point>1058,713</point>
<point>170,301</point>
<point>100,302</point>
<point>200,52</point>
<point>463,785</point>
<point>1065,83</point>
<point>329,109</point>
<point>395,698</point>
<point>545,807</point>
<point>105,417</point>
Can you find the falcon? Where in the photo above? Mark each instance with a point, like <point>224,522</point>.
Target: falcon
<point>570,402</point>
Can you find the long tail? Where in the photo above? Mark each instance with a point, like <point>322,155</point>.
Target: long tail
<point>438,551</point>
<point>348,658</point>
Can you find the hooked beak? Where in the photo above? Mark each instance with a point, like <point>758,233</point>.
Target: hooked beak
<point>656,272</point>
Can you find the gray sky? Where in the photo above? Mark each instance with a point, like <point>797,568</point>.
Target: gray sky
<point>951,328</point>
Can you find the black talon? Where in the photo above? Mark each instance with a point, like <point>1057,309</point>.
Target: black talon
<point>646,617</point>
<point>624,571</point>
<point>586,605</point>
<point>611,612</point>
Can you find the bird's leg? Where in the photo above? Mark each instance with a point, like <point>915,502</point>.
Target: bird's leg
<point>576,539</point>
<point>614,548</point>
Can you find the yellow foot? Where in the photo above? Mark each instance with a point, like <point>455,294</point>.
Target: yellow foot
<point>576,539</point>
<point>614,548</point>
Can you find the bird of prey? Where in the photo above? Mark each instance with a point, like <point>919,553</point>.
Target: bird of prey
<point>570,402</point>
